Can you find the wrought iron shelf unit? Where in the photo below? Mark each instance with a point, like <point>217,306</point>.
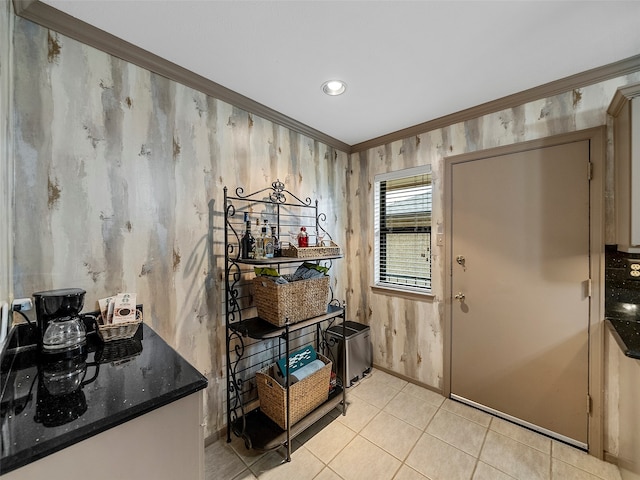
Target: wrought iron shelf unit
<point>253,343</point>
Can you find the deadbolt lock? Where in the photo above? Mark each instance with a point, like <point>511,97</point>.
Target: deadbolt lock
<point>460,259</point>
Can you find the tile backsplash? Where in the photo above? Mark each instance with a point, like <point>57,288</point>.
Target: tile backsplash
<point>619,286</point>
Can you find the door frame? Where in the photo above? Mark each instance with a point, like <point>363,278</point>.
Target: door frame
<point>597,154</point>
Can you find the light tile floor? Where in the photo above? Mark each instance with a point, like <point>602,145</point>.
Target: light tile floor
<point>397,430</point>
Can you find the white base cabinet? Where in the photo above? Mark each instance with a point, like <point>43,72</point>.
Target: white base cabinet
<point>164,444</point>
<point>629,411</point>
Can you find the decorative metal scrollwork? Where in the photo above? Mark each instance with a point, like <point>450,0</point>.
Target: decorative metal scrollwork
<point>319,219</point>
<point>277,194</point>
<point>232,251</point>
<point>235,384</point>
<point>234,276</point>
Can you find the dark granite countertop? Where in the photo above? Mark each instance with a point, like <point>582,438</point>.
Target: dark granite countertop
<point>622,300</point>
<point>624,322</point>
<point>43,411</point>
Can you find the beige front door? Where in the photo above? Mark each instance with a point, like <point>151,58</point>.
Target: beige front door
<point>520,271</point>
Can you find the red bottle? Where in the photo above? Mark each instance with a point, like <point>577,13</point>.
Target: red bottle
<point>303,238</point>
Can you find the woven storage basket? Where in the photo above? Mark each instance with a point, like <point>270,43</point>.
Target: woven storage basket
<point>311,252</point>
<point>305,395</point>
<point>294,301</point>
<point>109,333</point>
<point>119,331</point>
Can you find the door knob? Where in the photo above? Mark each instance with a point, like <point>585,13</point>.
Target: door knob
<point>459,296</point>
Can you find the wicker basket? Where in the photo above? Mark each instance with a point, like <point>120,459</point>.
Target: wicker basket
<point>311,252</point>
<point>305,395</point>
<point>119,331</point>
<point>294,301</point>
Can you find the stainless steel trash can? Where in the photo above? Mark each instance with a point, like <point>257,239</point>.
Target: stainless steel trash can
<point>359,356</point>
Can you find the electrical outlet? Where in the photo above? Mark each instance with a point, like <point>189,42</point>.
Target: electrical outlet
<point>22,305</point>
<point>633,269</point>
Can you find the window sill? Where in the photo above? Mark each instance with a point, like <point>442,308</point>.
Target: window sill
<point>399,292</point>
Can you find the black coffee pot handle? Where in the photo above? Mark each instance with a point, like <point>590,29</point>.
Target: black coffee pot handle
<point>95,375</point>
<point>91,325</point>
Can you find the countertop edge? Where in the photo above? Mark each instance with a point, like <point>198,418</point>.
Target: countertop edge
<point>624,345</point>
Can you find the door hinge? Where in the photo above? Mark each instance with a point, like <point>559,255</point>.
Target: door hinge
<point>588,287</point>
<point>590,171</point>
<point>589,404</point>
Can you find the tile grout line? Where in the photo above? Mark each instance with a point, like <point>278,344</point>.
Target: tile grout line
<point>356,434</point>
<point>484,439</point>
<point>466,418</point>
<point>380,410</point>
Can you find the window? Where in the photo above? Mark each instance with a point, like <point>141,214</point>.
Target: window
<point>402,224</point>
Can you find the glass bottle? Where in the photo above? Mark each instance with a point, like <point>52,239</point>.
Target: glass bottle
<point>259,242</point>
<point>248,243</point>
<point>303,238</point>
<point>277,249</point>
<point>266,238</point>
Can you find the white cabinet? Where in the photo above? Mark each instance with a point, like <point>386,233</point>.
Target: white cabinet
<point>164,444</point>
<point>626,407</point>
<point>625,110</point>
<point>629,411</point>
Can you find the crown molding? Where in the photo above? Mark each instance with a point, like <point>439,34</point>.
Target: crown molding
<point>63,23</point>
<point>621,97</point>
<point>599,74</point>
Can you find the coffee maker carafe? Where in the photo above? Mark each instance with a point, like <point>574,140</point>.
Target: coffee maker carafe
<point>60,328</point>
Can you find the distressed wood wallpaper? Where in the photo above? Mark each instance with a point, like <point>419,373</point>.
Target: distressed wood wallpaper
<point>119,177</point>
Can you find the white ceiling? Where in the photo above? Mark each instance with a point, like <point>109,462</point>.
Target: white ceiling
<point>405,62</point>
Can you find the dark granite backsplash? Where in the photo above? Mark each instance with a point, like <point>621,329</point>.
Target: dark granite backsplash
<point>620,290</point>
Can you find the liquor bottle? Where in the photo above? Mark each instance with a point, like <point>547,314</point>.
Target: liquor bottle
<point>259,242</point>
<point>248,243</point>
<point>266,240</point>
<point>277,249</point>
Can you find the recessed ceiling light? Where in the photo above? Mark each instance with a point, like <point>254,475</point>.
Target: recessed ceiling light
<point>334,87</point>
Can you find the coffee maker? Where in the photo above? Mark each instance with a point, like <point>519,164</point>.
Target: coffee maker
<point>61,330</point>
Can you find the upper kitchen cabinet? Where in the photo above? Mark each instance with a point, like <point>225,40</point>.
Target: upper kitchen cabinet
<point>625,110</point>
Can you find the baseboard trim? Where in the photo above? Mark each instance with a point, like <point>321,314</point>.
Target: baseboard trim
<point>215,436</point>
<point>407,379</point>
<point>628,469</point>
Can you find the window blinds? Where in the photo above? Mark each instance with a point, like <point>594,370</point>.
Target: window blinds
<point>402,207</point>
